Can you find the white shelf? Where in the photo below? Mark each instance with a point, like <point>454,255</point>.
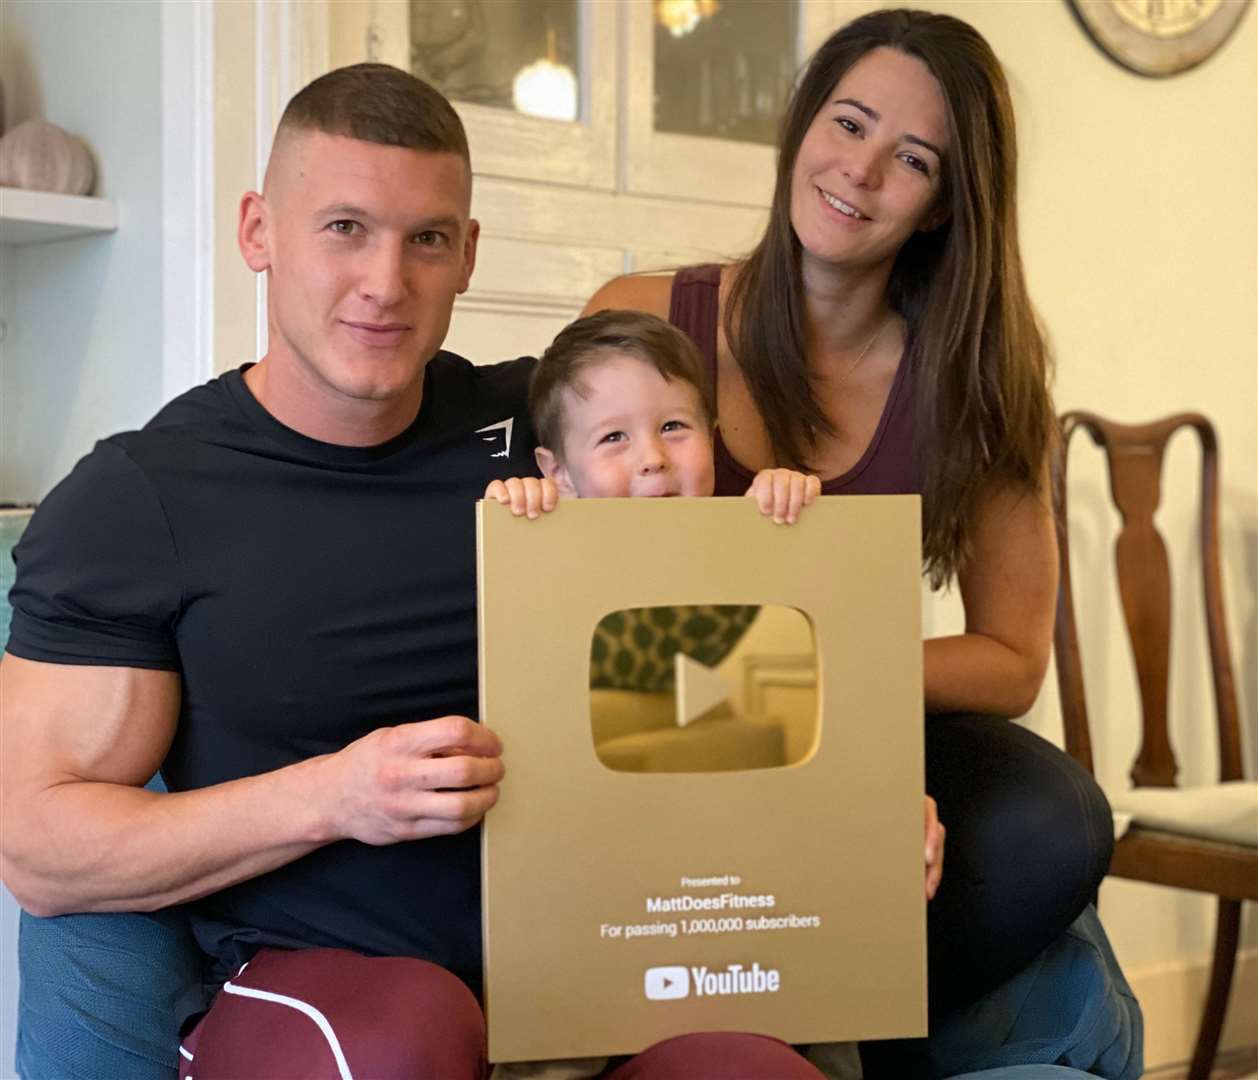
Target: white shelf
<point>40,217</point>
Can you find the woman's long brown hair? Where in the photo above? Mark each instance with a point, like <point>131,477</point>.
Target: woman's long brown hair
<point>984,413</point>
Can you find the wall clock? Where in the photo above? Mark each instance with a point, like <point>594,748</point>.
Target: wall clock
<point>1159,37</point>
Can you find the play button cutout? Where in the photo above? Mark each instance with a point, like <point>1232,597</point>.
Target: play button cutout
<point>700,689</point>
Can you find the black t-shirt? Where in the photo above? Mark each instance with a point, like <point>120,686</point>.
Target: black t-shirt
<point>307,594</point>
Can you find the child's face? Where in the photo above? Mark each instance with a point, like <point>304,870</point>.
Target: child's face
<point>631,432</point>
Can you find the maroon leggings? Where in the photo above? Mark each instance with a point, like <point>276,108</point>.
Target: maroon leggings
<point>328,1013</point>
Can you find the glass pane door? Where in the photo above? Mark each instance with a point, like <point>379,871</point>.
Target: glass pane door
<point>520,73</point>
<point>723,68</point>
<point>707,83</point>
<point>523,55</point>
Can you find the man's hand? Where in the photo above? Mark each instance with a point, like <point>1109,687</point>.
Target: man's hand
<point>526,495</point>
<point>782,493</point>
<point>935,835</point>
<point>429,778</point>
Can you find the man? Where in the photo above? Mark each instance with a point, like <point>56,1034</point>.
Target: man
<point>269,592</point>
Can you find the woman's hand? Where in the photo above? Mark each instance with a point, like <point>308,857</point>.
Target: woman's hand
<point>935,835</point>
<point>782,493</point>
<point>526,495</point>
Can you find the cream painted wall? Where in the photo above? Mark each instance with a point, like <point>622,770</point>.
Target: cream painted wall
<point>236,170</point>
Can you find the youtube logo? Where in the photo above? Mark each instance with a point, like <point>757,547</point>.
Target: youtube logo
<point>666,983</point>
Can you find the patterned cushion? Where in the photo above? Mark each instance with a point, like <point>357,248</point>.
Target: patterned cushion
<point>634,649</point>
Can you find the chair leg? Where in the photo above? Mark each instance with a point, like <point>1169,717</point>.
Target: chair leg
<point>1226,937</point>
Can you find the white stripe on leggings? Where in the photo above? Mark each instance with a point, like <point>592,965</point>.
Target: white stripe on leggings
<point>184,1053</point>
<point>303,1007</point>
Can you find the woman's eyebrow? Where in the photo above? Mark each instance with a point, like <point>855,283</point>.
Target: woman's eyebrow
<point>917,140</point>
<point>875,116</point>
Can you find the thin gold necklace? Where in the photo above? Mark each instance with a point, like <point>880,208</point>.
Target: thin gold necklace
<point>861,355</point>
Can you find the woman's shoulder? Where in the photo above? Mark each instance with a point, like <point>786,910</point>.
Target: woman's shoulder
<point>634,292</point>
<point>650,292</point>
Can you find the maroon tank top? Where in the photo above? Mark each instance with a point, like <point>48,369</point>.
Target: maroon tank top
<point>885,468</point>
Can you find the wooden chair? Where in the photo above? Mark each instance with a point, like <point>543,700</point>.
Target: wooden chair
<point>1228,870</point>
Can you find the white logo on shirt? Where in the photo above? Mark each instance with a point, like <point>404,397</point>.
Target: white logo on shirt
<point>489,434</point>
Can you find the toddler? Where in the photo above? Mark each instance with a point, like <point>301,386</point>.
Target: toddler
<point>622,407</point>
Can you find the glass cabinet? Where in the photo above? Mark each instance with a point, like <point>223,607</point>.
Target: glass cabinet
<point>672,98</point>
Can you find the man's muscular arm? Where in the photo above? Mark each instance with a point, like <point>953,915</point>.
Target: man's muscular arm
<point>81,834</point>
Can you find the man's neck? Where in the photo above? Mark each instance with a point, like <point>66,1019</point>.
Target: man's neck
<point>300,400</point>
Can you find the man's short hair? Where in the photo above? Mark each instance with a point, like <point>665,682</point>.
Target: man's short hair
<point>378,103</point>
<point>595,338</point>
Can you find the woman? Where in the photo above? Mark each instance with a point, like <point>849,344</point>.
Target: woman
<point>881,337</point>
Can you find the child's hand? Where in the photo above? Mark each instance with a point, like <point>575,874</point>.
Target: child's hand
<point>782,493</point>
<point>526,495</point>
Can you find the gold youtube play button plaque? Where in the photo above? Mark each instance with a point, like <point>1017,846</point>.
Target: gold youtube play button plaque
<point>710,840</point>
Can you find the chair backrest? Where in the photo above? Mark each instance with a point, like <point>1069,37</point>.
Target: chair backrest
<point>1134,455</point>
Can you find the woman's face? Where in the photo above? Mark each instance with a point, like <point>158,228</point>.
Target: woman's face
<point>869,168</point>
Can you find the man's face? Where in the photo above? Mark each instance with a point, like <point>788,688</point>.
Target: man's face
<point>366,247</point>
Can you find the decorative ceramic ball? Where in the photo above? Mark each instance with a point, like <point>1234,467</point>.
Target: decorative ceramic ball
<point>40,156</point>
